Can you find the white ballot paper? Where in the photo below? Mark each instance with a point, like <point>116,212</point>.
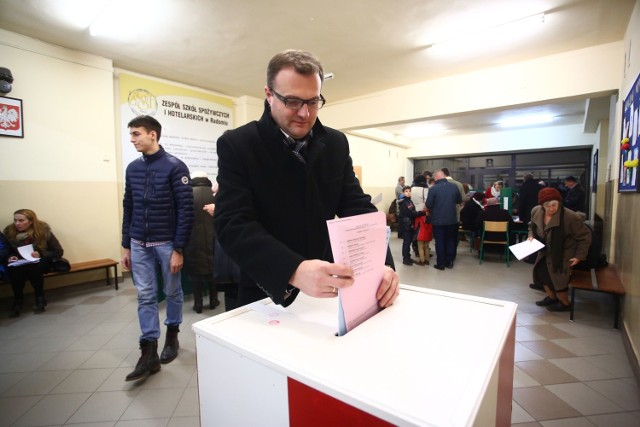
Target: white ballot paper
<point>25,252</point>
<point>526,248</point>
<point>361,243</point>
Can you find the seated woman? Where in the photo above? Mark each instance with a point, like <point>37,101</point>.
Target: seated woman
<point>494,190</point>
<point>28,229</point>
<point>470,211</point>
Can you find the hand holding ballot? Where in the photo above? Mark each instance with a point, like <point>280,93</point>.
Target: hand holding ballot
<point>526,248</point>
<point>321,279</point>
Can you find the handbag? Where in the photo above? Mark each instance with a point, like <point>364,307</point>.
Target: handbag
<point>57,265</point>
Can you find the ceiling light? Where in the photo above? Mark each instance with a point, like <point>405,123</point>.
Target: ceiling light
<point>528,120</point>
<point>481,40</point>
<point>114,20</point>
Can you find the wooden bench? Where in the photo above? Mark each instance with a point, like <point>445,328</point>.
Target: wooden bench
<point>604,280</point>
<point>78,267</point>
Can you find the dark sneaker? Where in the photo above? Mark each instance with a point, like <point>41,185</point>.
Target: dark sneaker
<point>407,262</point>
<point>547,301</point>
<point>559,307</point>
<point>536,287</point>
<point>438,267</point>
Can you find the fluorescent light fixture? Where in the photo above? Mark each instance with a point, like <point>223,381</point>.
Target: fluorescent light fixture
<point>78,14</point>
<point>527,120</point>
<point>482,40</point>
<point>130,19</point>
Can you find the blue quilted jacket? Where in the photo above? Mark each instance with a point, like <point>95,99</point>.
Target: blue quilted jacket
<point>158,201</point>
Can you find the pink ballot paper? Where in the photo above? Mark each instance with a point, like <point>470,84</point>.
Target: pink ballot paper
<point>361,243</point>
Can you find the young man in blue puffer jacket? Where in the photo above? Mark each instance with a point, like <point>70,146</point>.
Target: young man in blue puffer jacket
<point>156,226</point>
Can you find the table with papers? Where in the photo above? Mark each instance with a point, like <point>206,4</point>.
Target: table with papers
<point>432,359</point>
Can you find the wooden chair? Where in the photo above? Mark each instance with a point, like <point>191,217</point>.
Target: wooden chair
<point>495,227</point>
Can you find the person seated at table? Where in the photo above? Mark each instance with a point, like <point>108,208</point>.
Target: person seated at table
<point>494,190</point>
<point>27,229</point>
<point>470,211</point>
<point>494,212</point>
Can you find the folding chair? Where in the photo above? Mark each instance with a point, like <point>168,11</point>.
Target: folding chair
<point>495,227</point>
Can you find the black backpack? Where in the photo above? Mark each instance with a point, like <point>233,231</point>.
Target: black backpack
<point>595,257</point>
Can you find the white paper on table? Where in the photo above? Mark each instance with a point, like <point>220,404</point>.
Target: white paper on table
<point>361,243</point>
<point>526,248</point>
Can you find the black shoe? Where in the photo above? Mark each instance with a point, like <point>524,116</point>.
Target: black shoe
<point>547,301</point>
<point>197,308</point>
<point>214,304</point>
<point>450,265</point>
<point>536,287</point>
<point>16,308</point>
<point>41,303</point>
<point>171,345</point>
<point>148,364</point>
<point>559,307</point>
<point>407,262</point>
<point>438,267</point>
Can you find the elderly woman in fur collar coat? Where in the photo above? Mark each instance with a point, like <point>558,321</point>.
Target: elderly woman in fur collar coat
<point>567,240</point>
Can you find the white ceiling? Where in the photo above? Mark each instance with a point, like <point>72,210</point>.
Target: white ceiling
<point>369,45</point>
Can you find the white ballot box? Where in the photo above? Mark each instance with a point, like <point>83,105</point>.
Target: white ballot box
<point>432,359</point>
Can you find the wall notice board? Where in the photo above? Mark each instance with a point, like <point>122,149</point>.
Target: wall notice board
<point>630,141</point>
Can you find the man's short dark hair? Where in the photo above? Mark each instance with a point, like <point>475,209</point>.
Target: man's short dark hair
<point>147,122</point>
<point>571,178</point>
<point>427,174</point>
<point>445,171</point>
<point>406,187</point>
<point>527,177</point>
<point>302,62</point>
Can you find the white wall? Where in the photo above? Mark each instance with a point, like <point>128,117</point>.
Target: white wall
<point>552,77</point>
<point>550,137</point>
<point>65,166</point>
<point>381,164</point>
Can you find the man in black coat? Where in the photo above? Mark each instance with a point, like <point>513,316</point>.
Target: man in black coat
<point>575,197</point>
<point>527,198</point>
<point>281,178</point>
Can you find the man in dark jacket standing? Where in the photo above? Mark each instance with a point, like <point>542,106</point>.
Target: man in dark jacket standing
<point>281,178</point>
<point>156,225</point>
<point>198,254</point>
<point>528,198</point>
<point>575,197</point>
<point>442,201</point>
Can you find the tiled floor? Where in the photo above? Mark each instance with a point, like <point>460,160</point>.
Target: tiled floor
<point>67,365</point>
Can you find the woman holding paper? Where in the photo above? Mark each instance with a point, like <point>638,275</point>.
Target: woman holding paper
<point>26,230</point>
<point>566,240</point>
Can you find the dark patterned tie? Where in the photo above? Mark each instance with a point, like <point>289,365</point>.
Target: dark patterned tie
<point>296,146</point>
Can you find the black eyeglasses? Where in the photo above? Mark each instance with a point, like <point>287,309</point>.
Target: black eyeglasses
<point>297,103</point>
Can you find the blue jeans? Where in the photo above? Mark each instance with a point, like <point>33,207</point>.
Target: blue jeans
<point>143,269</point>
<point>446,242</point>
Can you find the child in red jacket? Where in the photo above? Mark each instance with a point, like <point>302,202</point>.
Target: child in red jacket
<point>425,235</point>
